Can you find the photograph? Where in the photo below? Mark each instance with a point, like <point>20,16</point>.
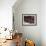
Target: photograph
<point>22,22</point>
<point>29,19</point>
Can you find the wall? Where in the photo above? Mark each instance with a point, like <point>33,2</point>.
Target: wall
<point>43,22</point>
<point>6,13</point>
<point>28,7</point>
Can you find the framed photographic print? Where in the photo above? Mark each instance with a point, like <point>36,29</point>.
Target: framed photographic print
<point>29,19</point>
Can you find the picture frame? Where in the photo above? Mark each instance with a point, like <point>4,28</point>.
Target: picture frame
<point>29,19</point>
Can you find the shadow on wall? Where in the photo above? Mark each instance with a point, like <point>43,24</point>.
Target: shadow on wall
<point>17,4</point>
